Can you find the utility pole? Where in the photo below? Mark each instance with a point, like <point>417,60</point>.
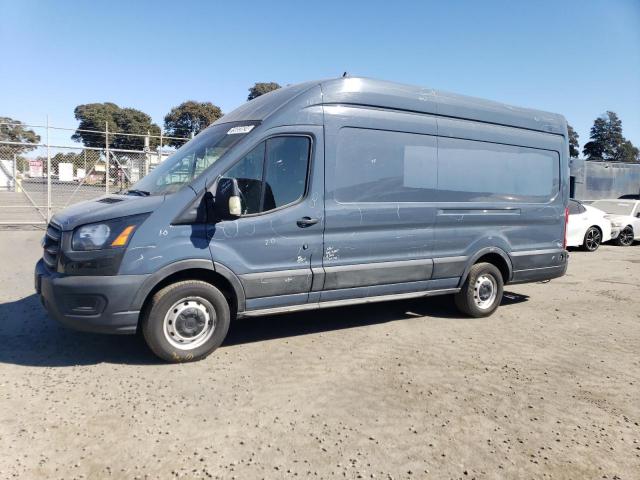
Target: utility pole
<point>48,175</point>
<point>160,151</point>
<point>106,148</point>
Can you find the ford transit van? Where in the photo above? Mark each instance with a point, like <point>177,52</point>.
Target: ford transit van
<point>317,195</point>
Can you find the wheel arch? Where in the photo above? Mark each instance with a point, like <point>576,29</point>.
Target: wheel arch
<point>494,255</point>
<point>196,269</point>
<point>595,225</point>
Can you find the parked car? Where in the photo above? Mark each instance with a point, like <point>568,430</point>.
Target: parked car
<point>312,196</point>
<point>625,218</point>
<point>587,227</point>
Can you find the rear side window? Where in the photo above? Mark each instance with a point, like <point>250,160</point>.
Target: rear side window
<point>385,166</point>
<point>574,207</point>
<point>273,174</point>
<point>472,171</point>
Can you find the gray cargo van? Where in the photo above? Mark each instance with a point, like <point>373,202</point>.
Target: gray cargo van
<point>317,195</point>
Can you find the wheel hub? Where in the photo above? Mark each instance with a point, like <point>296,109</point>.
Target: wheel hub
<point>485,291</point>
<point>189,323</point>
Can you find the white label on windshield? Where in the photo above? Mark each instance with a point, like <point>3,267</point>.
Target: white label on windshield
<point>242,129</point>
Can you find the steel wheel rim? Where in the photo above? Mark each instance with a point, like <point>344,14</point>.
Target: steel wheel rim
<point>485,291</point>
<point>593,239</point>
<point>626,237</point>
<point>189,323</point>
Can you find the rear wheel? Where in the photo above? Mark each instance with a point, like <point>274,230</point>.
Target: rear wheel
<point>625,237</point>
<point>482,292</point>
<point>186,321</point>
<point>592,239</point>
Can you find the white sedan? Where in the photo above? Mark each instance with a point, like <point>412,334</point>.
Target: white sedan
<point>625,219</point>
<point>588,227</point>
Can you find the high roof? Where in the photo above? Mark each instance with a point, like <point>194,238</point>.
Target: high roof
<point>383,94</point>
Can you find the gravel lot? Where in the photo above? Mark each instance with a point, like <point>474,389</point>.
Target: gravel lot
<point>549,386</point>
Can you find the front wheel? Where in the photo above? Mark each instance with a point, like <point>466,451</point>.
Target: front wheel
<point>625,238</point>
<point>481,293</point>
<point>592,239</point>
<point>186,321</point>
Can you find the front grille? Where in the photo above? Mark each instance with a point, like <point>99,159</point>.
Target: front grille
<point>51,246</point>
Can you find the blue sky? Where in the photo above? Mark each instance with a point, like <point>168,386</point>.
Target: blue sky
<point>578,58</point>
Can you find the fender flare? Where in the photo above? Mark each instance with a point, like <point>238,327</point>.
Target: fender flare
<point>483,251</point>
<point>235,282</point>
<point>197,263</point>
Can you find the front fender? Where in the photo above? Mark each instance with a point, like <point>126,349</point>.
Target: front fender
<point>201,264</point>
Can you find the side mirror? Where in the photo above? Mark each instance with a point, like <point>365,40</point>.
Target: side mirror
<point>228,204</point>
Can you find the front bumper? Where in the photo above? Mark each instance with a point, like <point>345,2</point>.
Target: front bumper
<point>101,304</point>
<point>615,231</point>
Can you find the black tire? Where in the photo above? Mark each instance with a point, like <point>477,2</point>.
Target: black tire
<point>625,237</point>
<point>592,239</point>
<point>204,309</point>
<point>469,299</point>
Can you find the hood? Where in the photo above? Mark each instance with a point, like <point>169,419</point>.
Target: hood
<point>105,208</point>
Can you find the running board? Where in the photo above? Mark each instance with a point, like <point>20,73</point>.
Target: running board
<point>345,302</point>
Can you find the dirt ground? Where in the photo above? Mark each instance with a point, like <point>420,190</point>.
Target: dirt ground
<point>548,387</point>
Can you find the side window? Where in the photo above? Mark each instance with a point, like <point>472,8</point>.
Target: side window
<point>286,171</point>
<point>384,166</point>
<point>273,174</point>
<point>475,171</point>
<point>248,173</point>
<point>574,207</point>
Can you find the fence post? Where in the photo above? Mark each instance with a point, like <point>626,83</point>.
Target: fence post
<point>14,175</point>
<point>106,148</point>
<point>160,151</point>
<point>48,175</point>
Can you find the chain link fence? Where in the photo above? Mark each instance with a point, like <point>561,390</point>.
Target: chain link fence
<point>39,179</point>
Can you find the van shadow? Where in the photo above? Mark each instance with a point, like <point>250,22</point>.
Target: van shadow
<point>258,329</point>
<point>30,338</point>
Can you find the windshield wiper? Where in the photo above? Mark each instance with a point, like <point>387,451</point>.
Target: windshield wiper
<point>142,193</point>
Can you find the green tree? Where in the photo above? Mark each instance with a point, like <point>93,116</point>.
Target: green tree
<point>260,88</point>
<point>189,118</point>
<point>94,116</point>
<point>607,141</point>
<point>574,146</point>
<point>14,131</point>
<point>629,153</point>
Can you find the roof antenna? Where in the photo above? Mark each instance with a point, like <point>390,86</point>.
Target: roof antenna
<point>345,74</point>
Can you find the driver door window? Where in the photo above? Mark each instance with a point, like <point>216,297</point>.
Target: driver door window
<point>273,174</point>
<point>248,173</point>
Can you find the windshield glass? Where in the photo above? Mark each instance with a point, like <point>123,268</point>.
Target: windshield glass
<point>613,207</point>
<point>191,159</point>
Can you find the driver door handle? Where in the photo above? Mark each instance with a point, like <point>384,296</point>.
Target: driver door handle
<point>305,222</point>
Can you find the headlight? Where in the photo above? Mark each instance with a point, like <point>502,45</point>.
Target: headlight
<point>111,234</point>
<point>91,237</point>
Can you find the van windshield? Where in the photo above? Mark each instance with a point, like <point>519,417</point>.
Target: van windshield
<point>190,160</point>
